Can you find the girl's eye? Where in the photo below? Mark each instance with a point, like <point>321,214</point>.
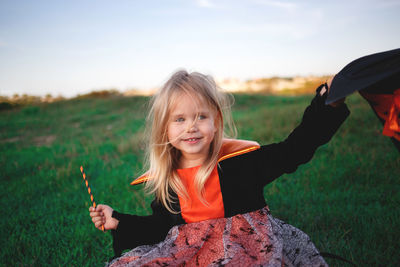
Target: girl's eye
<point>202,117</point>
<point>179,120</point>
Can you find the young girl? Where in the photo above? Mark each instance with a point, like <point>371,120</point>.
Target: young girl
<point>209,207</point>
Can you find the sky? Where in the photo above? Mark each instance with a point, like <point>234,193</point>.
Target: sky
<point>77,46</point>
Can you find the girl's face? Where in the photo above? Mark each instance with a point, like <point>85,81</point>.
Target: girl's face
<point>191,129</point>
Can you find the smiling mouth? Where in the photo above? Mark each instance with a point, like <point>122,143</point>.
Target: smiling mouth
<point>192,139</point>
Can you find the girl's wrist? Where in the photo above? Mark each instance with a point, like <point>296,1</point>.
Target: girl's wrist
<point>115,223</point>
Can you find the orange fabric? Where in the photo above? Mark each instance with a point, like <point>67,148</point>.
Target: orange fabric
<point>194,210</point>
<point>234,147</point>
<point>387,106</point>
<point>140,180</point>
<point>392,125</point>
<point>230,148</point>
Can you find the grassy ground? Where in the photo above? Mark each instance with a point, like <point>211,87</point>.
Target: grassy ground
<point>346,198</point>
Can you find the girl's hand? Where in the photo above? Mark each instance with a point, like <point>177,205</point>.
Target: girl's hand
<point>337,102</point>
<point>102,216</point>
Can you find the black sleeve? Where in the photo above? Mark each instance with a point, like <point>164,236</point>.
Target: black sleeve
<point>133,230</point>
<point>319,123</point>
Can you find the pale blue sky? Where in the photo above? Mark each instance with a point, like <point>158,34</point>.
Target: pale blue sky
<point>71,47</point>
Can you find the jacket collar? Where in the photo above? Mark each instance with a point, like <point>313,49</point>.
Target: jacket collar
<point>230,148</point>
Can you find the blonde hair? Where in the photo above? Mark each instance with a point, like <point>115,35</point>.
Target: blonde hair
<point>162,158</point>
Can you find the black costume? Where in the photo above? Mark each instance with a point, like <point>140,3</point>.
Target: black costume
<point>242,175</point>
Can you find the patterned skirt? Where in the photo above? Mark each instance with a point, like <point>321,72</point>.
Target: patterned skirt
<point>252,239</point>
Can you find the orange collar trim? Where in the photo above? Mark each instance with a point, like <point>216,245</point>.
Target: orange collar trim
<point>237,153</point>
<point>140,180</point>
<point>226,151</point>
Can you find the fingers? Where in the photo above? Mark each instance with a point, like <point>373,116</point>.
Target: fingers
<point>97,216</point>
<point>337,102</point>
<point>329,82</point>
<point>98,221</point>
<point>99,207</point>
<point>91,208</point>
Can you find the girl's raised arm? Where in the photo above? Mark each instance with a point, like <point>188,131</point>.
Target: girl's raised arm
<point>319,123</point>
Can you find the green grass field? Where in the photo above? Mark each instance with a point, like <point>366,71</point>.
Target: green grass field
<point>346,198</point>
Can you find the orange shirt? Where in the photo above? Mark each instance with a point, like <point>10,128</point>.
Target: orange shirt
<point>194,210</point>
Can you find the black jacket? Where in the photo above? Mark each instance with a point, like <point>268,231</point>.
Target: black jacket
<point>242,175</point>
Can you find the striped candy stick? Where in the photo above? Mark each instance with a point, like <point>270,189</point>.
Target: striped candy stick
<point>90,192</point>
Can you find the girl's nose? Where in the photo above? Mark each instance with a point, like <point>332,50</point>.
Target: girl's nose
<point>192,127</point>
